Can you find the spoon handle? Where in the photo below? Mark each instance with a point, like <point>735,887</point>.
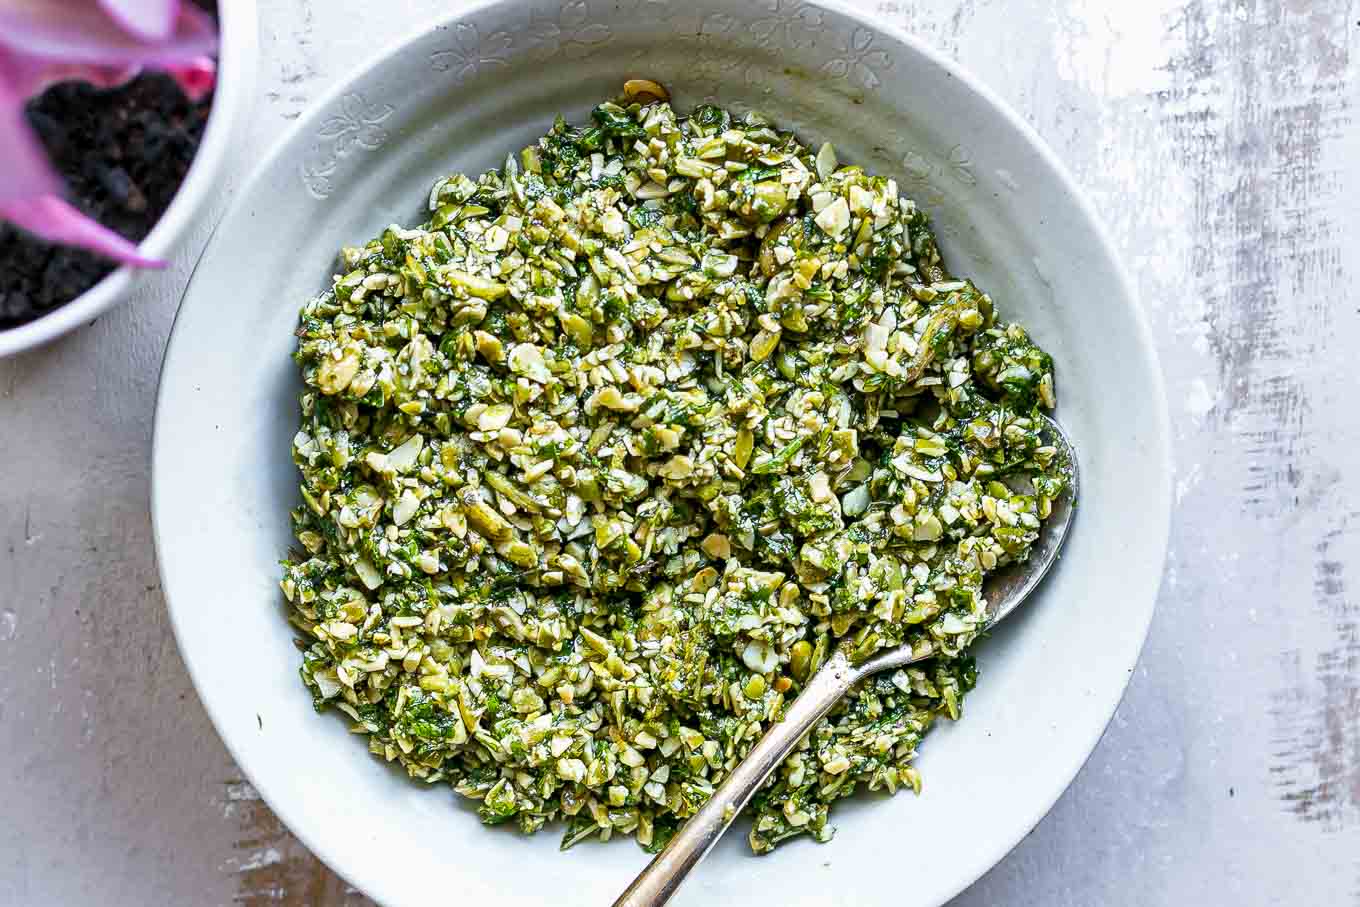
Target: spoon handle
<point>656,884</point>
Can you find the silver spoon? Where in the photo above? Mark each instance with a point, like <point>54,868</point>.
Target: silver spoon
<point>1006,589</point>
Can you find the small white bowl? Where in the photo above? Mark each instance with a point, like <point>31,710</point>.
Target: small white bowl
<point>458,96</point>
<point>237,57</point>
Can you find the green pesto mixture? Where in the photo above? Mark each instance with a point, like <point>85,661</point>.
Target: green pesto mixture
<point>601,462</point>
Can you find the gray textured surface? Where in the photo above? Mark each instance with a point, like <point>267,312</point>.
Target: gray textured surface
<point>1219,139</point>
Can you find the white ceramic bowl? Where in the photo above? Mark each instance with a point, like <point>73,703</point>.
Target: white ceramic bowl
<point>237,58</point>
<point>458,96</point>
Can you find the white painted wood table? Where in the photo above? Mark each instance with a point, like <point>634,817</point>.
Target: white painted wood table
<point>1219,138</point>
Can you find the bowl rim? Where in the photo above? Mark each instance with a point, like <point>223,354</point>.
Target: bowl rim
<point>237,57</point>
<point>1162,495</point>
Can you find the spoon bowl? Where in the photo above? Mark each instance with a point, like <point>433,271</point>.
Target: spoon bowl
<point>1013,583</point>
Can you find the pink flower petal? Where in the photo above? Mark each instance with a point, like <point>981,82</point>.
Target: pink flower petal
<point>29,76</point>
<point>25,171</point>
<point>52,219</point>
<point>151,20</point>
<point>80,31</point>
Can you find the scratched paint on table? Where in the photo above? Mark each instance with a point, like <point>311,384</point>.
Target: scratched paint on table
<point>271,865</point>
<point>1273,106</point>
<point>1317,767</point>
